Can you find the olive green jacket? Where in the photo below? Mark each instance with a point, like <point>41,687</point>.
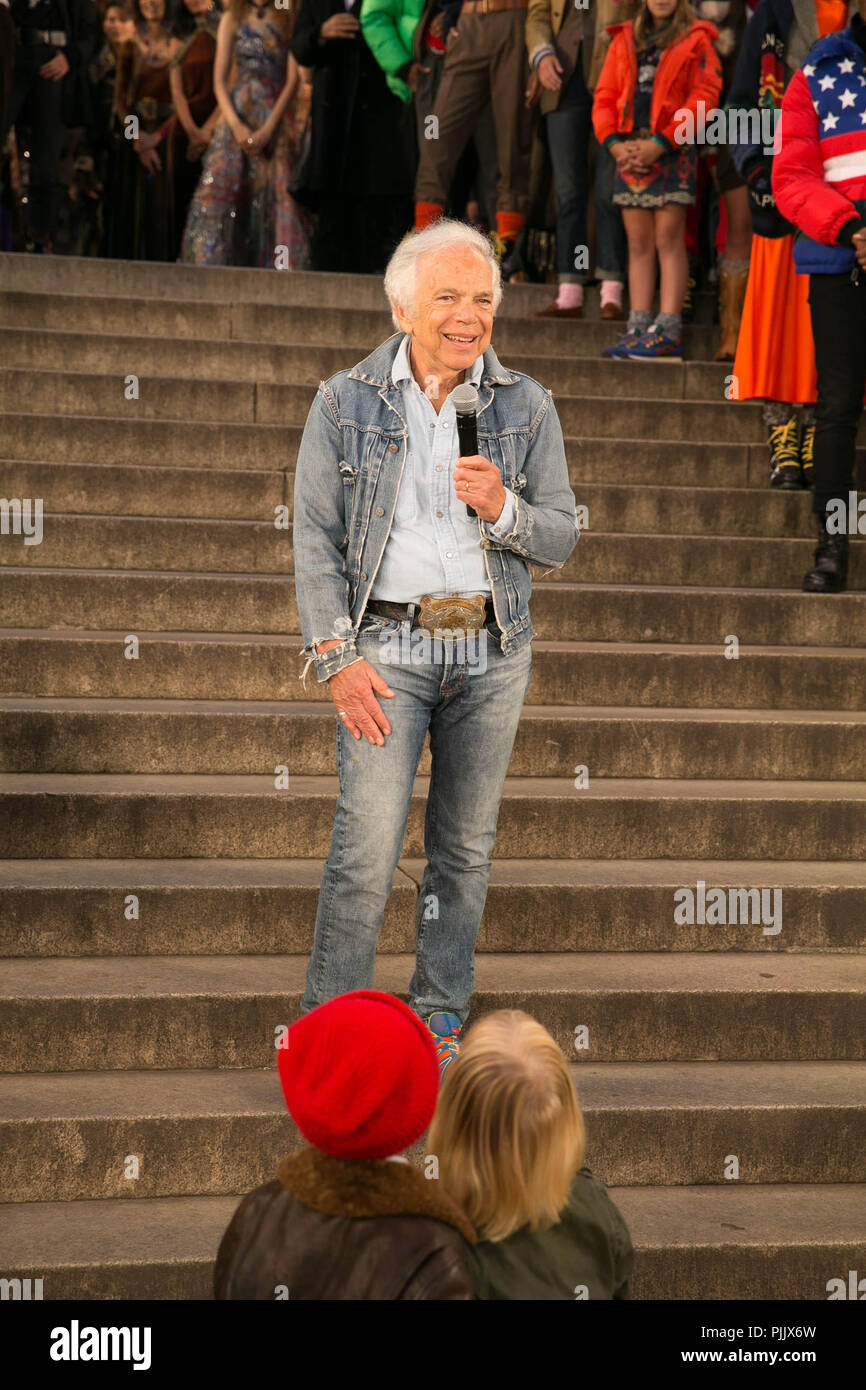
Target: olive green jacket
<point>588,1254</point>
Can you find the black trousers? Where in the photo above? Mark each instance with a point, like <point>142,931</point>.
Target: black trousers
<point>7,58</point>
<point>357,234</point>
<point>34,103</point>
<point>838,310</point>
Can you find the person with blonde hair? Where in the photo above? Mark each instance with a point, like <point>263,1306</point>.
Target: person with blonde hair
<point>509,1137</point>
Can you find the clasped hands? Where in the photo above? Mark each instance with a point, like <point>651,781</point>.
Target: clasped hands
<point>636,155</point>
<point>253,141</point>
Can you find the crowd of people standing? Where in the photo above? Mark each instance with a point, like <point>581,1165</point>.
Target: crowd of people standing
<point>331,127</point>
<point>314,134</point>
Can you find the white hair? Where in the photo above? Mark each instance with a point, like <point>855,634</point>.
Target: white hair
<point>447,234</point>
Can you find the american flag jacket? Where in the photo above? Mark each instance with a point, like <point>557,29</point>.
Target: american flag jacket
<point>819,165</point>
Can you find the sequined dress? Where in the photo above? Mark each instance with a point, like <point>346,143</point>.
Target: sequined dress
<point>242,209</point>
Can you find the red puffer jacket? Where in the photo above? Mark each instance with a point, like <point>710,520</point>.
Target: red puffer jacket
<point>689,71</point>
<point>819,167</point>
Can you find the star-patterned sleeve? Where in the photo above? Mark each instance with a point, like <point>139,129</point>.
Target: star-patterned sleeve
<point>820,145</point>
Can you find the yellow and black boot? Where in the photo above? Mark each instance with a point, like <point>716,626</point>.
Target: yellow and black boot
<point>783,443</point>
<point>807,452</point>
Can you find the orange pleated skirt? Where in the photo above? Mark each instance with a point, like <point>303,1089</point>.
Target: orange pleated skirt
<point>775,354</point>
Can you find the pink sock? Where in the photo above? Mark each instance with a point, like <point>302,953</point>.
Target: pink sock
<point>611,292</point>
<point>570,296</point>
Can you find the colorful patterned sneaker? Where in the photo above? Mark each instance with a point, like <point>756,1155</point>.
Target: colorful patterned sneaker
<point>445,1029</point>
<point>807,455</point>
<point>785,456</point>
<point>626,340</point>
<point>654,346</point>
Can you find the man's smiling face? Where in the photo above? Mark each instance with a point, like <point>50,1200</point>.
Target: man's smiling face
<point>453,319</point>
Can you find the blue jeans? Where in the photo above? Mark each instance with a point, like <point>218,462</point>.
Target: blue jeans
<point>472,716</point>
<point>611,246</point>
<point>569,131</point>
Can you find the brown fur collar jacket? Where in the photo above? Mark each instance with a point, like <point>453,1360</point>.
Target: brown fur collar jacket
<point>335,1228</point>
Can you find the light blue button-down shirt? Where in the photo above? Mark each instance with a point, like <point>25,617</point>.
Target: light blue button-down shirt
<point>434,546</point>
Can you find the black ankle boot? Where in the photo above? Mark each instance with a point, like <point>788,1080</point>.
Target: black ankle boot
<point>830,574</point>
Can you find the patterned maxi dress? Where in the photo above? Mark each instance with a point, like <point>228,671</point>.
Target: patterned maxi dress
<point>242,209</point>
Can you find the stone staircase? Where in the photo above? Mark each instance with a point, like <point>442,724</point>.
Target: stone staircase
<point>157,891</point>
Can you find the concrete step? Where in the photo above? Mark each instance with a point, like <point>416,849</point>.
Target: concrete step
<point>86,395</point>
<point>103,442</point>
<point>343,321</point>
<point>217,666</point>
<point>205,545</point>
<point>41,350</point>
<point>80,393</point>
<point>69,907</point>
<point>731,1242</point>
<point>155,543</point>
<point>160,1012</point>
<point>230,605</point>
<point>202,1133</point>
<point>705,511</point>
<point>89,276</point>
<point>123,489</point>
<point>201,490</point>
<point>79,816</point>
<point>230,737</point>
<point>148,443</point>
<point>117,490</point>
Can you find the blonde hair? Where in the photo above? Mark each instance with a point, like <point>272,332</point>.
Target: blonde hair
<point>508,1131</point>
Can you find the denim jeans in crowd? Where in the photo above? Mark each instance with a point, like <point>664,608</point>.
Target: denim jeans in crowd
<point>471,710</point>
<point>611,246</point>
<point>569,132</point>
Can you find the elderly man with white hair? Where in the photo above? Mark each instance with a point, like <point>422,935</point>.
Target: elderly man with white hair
<point>388,559</point>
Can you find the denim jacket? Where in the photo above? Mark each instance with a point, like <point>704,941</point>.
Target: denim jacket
<point>348,473</point>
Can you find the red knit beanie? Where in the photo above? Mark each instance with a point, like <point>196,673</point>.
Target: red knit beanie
<point>360,1075</point>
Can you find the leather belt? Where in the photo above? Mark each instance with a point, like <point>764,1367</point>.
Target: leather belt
<point>56,38</point>
<point>401,612</point>
<point>492,6</point>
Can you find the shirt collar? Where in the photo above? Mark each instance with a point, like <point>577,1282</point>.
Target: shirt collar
<point>402,370</point>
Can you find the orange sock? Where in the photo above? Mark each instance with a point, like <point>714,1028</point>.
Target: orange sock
<point>425,213</point>
<point>509,224</point>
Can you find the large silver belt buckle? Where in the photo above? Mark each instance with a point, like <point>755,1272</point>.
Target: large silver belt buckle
<point>451,614</point>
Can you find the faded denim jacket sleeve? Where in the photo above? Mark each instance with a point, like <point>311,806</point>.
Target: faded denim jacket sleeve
<point>319,540</point>
<point>545,530</point>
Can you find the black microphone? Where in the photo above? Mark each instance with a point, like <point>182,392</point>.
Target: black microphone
<point>465,400</point>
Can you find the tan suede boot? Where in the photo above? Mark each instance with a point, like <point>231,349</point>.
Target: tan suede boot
<point>732,293</point>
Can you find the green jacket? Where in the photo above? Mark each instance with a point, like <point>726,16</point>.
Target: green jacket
<point>389,28</point>
<point>588,1249</point>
